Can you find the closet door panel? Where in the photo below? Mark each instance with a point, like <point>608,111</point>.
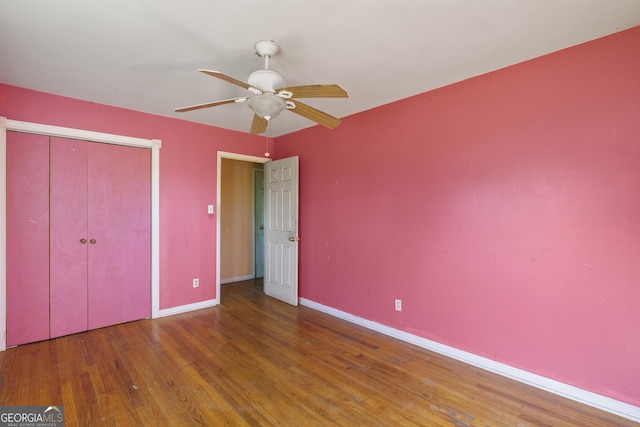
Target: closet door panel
<point>68,236</point>
<point>27,238</point>
<point>120,224</point>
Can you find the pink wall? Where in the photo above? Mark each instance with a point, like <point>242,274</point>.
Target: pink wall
<point>188,173</point>
<point>503,210</point>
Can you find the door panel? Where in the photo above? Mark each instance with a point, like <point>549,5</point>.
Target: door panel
<point>27,238</point>
<point>68,229</point>
<point>119,213</point>
<point>281,232</point>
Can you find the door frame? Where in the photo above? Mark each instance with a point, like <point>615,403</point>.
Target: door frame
<point>232,156</point>
<point>49,130</point>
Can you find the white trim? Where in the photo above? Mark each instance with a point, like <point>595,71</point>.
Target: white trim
<point>233,156</point>
<point>3,233</point>
<point>186,308</point>
<point>237,279</point>
<point>86,135</point>
<point>595,400</point>
<point>42,129</point>
<point>156,144</point>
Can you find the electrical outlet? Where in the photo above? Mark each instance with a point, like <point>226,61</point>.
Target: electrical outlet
<point>398,305</point>
<point>196,283</point>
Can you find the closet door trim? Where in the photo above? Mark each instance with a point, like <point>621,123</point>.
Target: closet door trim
<point>42,129</point>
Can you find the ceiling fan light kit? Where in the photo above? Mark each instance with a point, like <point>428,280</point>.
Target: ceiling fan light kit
<point>270,96</point>
<point>267,105</point>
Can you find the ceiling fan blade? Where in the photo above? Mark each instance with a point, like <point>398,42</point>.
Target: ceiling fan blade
<point>316,115</point>
<point>259,124</point>
<point>209,104</point>
<point>226,78</point>
<point>317,91</point>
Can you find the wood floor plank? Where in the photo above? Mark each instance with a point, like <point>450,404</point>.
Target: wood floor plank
<point>256,361</point>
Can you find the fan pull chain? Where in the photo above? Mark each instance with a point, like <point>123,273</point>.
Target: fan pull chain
<point>269,139</point>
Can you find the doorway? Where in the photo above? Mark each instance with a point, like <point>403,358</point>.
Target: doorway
<point>239,243</point>
<point>258,222</point>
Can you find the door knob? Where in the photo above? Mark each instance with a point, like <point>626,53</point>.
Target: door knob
<point>261,228</point>
<point>83,240</point>
<point>293,239</point>
<point>92,241</point>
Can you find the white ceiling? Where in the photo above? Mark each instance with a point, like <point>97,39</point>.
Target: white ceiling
<point>143,54</point>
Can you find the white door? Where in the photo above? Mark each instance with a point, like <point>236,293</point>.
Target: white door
<point>281,230</point>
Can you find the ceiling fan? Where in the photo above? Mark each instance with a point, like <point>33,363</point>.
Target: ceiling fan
<point>270,95</point>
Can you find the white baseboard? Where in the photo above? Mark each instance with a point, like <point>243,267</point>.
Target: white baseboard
<point>595,400</point>
<point>237,279</point>
<point>187,307</point>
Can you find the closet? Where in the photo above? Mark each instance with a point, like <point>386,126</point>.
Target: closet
<point>78,236</point>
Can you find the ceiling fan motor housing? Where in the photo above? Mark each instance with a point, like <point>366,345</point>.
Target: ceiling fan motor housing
<point>266,80</point>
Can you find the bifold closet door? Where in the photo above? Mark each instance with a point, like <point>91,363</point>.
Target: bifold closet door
<point>78,236</point>
<point>27,238</point>
<point>119,215</point>
<point>100,272</point>
<point>69,239</point>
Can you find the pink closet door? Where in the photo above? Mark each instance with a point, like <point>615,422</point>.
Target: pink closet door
<point>68,236</point>
<point>27,238</point>
<point>119,268</point>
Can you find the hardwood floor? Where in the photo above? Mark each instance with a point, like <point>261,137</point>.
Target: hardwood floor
<point>256,361</point>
